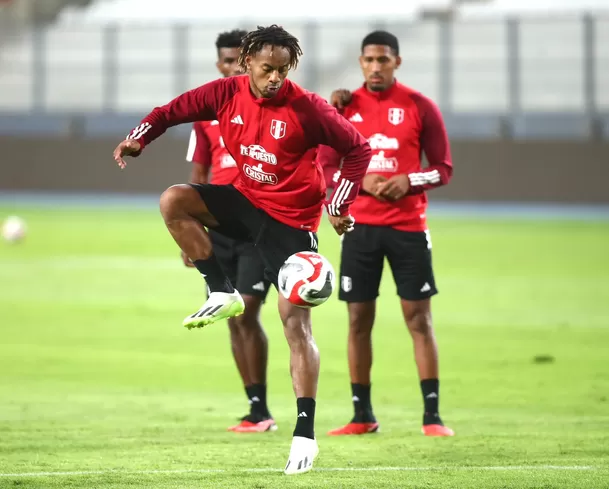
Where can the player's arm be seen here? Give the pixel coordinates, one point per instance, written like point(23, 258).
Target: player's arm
point(200, 104)
point(336, 132)
point(329, 159)
point(199, 154)
point(330, 162)
point(434, 142)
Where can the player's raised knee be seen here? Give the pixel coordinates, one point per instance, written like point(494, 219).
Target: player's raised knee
point(177, 198)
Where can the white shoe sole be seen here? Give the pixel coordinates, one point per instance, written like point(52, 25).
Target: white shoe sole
point(301, 463)
point(214, 312)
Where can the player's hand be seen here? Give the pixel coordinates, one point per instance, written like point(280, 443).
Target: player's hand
point(187, 261)
point(125, 148)
point(372, 184)
point(395, 188)
point(342, 224)
point(340, 98)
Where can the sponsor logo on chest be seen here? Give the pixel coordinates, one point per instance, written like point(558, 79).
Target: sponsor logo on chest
point(258, 153)
point(257, 174)
point(380, 141)
point(380, 163)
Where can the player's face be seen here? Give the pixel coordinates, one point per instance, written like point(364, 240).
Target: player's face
point(227, 62)
point(268, 70)
point(378, 64)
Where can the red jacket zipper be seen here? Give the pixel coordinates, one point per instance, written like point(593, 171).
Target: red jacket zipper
point(258, 136)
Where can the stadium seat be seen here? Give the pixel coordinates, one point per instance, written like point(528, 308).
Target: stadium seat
point(119, 124)
point(473, 125)
point(501, 8)
point(110, 124)
point(34, 124)
point(604, 120)
point(189, 10)
point(551, 125)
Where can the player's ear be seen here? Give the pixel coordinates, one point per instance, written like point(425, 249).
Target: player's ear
point(219, 65)
point(398, 62)
point(361, 61)
point(248, 64)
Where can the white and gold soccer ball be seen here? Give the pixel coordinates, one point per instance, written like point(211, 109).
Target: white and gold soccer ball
point(13, 229)
point(307, 279)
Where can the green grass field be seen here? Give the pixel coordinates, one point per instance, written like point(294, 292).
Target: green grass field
point(101, 387)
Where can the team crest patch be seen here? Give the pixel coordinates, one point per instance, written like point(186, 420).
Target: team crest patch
point(396, 116)
point(278, 129)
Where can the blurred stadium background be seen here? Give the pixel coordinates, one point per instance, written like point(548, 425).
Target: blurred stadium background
point(522, 84)
point(100, 387)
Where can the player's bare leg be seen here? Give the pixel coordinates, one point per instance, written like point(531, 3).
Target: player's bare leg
point(238, 350)
point(254, 339)
point(250, 350)
point(361, 321)
point(419, 321)
point(304, 368)
point(185, 215)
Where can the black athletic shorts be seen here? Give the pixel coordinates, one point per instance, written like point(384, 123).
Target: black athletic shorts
point(362, 258)
point(238, 219)
point(241, 264)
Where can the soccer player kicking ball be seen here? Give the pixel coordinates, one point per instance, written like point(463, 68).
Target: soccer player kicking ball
point(272, 128)
point(238, 259)
point(399, 123)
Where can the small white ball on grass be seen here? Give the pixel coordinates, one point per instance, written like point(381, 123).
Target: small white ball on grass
point(13, 229)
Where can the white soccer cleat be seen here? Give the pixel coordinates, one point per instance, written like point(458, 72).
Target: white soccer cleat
point(302, 454)
point(219, 305)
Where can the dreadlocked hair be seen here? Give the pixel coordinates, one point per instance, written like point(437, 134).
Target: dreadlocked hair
point(273, 35)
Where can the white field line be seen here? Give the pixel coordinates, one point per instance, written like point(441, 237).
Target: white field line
point(321, 469)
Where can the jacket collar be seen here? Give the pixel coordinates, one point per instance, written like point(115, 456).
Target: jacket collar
point(385, 94)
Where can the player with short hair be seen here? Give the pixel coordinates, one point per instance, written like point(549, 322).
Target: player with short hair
point(238, 259)
point(272, 128)
point(399, 123)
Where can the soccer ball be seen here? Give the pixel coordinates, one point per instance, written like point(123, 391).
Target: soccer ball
point(306, 279)
point(13, 229)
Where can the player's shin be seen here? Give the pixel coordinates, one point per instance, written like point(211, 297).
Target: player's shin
point(361, 321)
point(304, 367)
point(239, 351)
point(304, 364)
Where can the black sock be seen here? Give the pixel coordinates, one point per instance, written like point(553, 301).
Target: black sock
point(216, 280)
point(361, 404)
point(256, 393)
point(431, 399)
point(306, 417)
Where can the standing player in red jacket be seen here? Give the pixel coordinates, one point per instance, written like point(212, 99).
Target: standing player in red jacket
point(239, 259)
point(272, 128)
point(399, 124)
